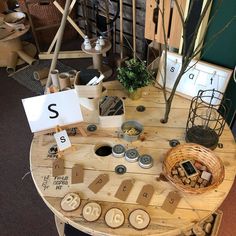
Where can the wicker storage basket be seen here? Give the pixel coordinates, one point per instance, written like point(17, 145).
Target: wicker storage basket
point(191, 151)
point(48, 15)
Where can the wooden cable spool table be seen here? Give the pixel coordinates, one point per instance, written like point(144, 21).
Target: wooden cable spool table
point(191, 209)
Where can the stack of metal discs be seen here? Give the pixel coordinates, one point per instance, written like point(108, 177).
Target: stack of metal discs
point(145, 161)
point(118, 150)
point(131, 155)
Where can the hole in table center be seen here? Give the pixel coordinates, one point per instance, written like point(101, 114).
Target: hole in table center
point(103, 150)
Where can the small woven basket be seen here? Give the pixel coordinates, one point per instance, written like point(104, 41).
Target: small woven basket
point(192, 151)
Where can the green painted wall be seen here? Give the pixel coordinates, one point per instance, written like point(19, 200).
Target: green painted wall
point(223, 50)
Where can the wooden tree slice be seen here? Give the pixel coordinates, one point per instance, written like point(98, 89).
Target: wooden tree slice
point(114, 218)
point(91, 211)
point(139, 219)
point(70, 202)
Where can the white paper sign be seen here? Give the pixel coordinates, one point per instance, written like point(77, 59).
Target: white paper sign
point(62, 139)
point(47, 111)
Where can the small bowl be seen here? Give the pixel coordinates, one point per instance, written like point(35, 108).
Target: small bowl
point(14, 18)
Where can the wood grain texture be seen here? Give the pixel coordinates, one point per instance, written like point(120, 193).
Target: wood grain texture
point(159, 37)
point(190, 210)
point(149, 24)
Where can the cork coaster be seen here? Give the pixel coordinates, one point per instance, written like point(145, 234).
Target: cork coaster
point(70, 202)
point(91, 211)
point(139, 219)
point(114, 218)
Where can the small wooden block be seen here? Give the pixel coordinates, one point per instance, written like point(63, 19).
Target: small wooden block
point(206, 175)
point(139, 219)
point(171, 202)
point(114, 218)
point(77, 175)
point(57, 167)
point(91, 211)
point(124, 189)
point(98, 183)
point(70, 202)
point(145, 195)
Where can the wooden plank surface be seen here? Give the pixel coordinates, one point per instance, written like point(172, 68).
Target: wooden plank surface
point(191, 208)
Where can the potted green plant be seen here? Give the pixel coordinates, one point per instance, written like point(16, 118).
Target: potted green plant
point(133, 76)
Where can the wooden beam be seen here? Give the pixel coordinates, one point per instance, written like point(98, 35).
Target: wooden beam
point(176, 26)
point(159, 37)
point(69, 19)
point(149, 32)
point(64, 55)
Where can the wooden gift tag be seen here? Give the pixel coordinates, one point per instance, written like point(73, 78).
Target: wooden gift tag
point(124, 189)
point(58, 167)
point(77, 175)
point(171, 202)
point(145, 195)
point(98, 183)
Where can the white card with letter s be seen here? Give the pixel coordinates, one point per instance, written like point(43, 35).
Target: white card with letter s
point(47, 111)
point(62, 139)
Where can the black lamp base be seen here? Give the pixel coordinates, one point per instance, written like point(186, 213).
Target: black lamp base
point(203, 136)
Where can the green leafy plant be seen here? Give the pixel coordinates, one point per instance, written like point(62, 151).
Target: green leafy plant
point(134, 75)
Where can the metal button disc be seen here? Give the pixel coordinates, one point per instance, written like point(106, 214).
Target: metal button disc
point(131, 155)
point(145, 161)
point(118, 150)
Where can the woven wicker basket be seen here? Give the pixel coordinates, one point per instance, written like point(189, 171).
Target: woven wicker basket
point(191, 151)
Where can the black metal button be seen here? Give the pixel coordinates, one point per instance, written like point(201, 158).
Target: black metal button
point(174, 142)
point(91, 128)
point(53, 150)
point(140, 108)
point(120, 169)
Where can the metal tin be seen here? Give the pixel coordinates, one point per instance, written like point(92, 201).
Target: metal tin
point(118, 150)
point(145, 161)
point(128, 125)
point(131, 155)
